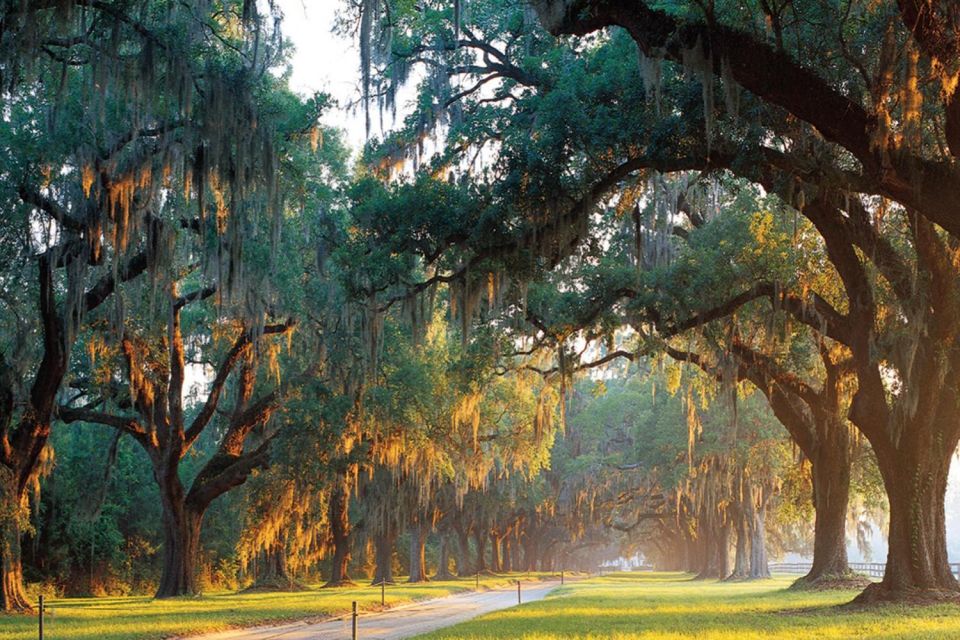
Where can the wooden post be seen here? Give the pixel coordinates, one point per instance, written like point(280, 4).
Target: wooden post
point(518, 592)
point(478, 580)
point(561, 577)
point(354, 631)
point(40, 618)
point(383, 593)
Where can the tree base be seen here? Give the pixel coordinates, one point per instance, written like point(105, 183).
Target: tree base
point(737, 577)
point(377, 583)
point(19, 605)
point(848, 580)
point(878, 593)
point(274, 586)
point(343, 582)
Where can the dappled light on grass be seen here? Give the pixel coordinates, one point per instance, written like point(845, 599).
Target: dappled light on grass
point(668, 606)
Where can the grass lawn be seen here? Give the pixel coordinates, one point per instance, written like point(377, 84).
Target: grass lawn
point(668, 606)
point(142, 618)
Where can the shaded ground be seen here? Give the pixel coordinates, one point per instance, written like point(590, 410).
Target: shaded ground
point(670, 606)
point(395, 624)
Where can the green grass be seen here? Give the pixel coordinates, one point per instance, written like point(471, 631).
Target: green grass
point(669, 606)
point(143, 618)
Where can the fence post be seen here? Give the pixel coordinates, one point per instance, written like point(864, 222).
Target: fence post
point(354, 629)
point(478, 581)
point(561, 577)
point(518, 592)
point(40, 618)
point(383, 592)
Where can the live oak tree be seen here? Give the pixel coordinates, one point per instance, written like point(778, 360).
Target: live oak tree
point(876, 137)
point(91, 133)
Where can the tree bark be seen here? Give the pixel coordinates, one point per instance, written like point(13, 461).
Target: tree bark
point(741, 557)
point(274, 573)
point(917, 565)
point(181, 544)
point(339, 516)
point(830, 471)
point(443, 568)
point(13, 597)
point(418, 555)
point(495, 564)
point(464, 567)
point(530, 552)
point(759, 567)
point(383, 551)
point(481, 541)
point(722, 551)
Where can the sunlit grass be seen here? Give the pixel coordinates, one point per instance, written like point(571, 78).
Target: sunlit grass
point(142, 618)
point(669, 606)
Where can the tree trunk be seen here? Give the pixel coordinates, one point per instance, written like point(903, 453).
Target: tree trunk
point(339, 516)
point(443, 569)
point(722, 551)
point(495, 565)
point(383, 551)
point(759, 567)
point(13, 597)
point(273, 573)
point(507, 555)
point(181, 548)
point(915, 478)
point(464, 568)
point(707, 566)
point(181, 534)
point(830, 471)
point(530, 552)
point(418, 555)
point(481, 541)
point(741, 558)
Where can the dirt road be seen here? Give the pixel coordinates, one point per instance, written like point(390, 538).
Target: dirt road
point(394, 624)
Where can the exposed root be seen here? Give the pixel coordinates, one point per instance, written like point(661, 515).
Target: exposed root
point(849, 580)
point(878, 593)
point(344, 582)
point(274, 586)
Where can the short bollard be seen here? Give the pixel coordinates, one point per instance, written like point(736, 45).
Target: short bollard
point(518, 592)
point(353, 633)
point(40, 618)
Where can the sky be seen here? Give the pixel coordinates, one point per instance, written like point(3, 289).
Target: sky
point(326, 62)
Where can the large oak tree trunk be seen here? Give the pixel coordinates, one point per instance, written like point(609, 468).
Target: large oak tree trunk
point(759, 566)
point(418, 555)
point(530, 543)
point(181, 549)
point(830, 471)
point(917, 566)
point(741, 556)
point(181, 535)
point(13, 597)
point(495, 564)
point(464, 567)
point(339, 516)
point(722, 551)
point(383, 551)
point(481, 541)
point(274, 573)
point(443, 568)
